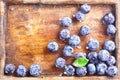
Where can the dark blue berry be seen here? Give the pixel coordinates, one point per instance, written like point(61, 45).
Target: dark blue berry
point(109, 45)
point(35, 70)
point(111, 61)
point(60, 62)
point(85, 8)
point(111, 30)
point(82, 71)
point(69, 70)
point(84, 30)
point(91, 69)
point(74, 40)
point(112, 71)
point(93, 57)
point(79, 16)
point(52, 46)
point(64, 34)
point(93, 44)
point(80, 54)
point(9, 69)
point(66, 21)
point(21, 71)
point(68, 51)
point(108, 18)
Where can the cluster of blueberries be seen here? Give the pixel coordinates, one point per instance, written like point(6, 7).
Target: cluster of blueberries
point(100, 63)
point(22, 71)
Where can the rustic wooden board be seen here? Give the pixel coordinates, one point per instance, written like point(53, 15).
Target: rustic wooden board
point(28, 34)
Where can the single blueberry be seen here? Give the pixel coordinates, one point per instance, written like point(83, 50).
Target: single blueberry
point(80, 54)
point(74, 40)
point(101, 68)
point(35, 70)
point(79, 16)
point(103, 55)
point(21, 71)
point(9, 69)
point(93, 57)
point(52, 46)
point(91, 69)
point(85, 8)
point(82, 71)
point(109, 45)
point(93, 44)
point(66, 21)
point(69, 70)
point(60, 62)
point(84, 30)
point(64, 34)
point(111, 30)
point(112, 71)
point(111, 61)
point(68, 51)
point(108, 18)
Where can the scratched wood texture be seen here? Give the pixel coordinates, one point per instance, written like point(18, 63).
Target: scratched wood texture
point(29, 28)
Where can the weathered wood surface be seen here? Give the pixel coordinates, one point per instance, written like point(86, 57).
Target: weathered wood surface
point(28, 31)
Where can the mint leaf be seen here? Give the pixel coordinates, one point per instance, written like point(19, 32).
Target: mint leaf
point(80, 62)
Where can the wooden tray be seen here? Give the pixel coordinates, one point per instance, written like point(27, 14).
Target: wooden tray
point(26, 27)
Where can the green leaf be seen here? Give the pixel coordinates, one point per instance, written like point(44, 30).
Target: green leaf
point(80, 62)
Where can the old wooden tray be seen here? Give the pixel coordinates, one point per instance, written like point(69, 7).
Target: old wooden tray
point(26, 27)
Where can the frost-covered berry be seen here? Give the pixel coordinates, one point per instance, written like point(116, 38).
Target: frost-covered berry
point(109, 45)
point(74, 40)
point(9, 69)
point(111, 29)
point(112, 71)
point(93, 44)
point(60, 62)
point(68, 51)
point(80, 54)
point(82, 71)
point(64, 34)
point(93, 57)
point(69, 70)
point(91, 69)
point(103, 55)
point(101, 68)
point(66, 21)
point(85, 8)
point(79, 16)
point(84, 30)
point(21, 71)
point(111, 60)
point(35, 70)
point(53, 46)
point(108, 18)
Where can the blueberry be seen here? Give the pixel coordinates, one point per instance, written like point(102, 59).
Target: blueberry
point(79, 16)
point(101, 68)
point(109, 45)
point(111, 30)
point(108, 18)
point(85, 8)
point(9, 69)
point(68, 51)
point(84, 30)
point(103, 55)
point(112, 71)
point(60, 62)
point(82, 71)
point(93, 57)
point(66, 21)
point(21, 71)
point(111, 60)
point(64, 34)
point(91, 69)
point(52, 46)
point(93, 44)
point(80, 54)
point(69, 70)
point(35, 70)
point(74, 40)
